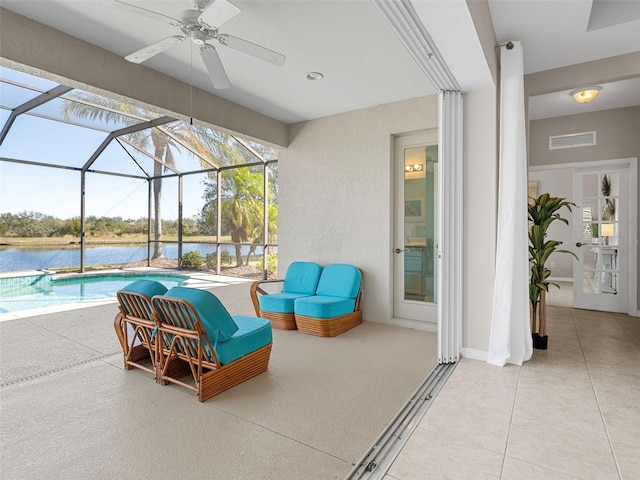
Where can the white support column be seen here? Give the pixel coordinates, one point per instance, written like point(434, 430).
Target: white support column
point(450, 159)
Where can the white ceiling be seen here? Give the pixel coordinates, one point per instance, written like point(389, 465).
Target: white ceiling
point(350, 43)
point(557, 33)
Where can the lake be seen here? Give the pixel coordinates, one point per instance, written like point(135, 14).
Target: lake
point(26, 258)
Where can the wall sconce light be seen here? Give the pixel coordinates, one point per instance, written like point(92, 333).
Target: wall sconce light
point(606, 230)
point(585, 95)
point(417, 167)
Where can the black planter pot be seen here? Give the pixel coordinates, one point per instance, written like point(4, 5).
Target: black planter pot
point(540, 342)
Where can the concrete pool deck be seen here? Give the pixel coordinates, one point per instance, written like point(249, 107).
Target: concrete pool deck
point(70, 410)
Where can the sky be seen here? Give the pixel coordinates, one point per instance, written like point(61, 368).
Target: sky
point(56, 192)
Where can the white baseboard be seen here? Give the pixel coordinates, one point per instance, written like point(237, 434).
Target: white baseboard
point(413, 324)
point(404, 323)
point(561, 279)
point(475, 354)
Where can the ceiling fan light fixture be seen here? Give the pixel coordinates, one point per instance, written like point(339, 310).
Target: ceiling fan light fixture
point(585, 95)
point(314, 76)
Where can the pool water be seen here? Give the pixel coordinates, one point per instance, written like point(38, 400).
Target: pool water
point(44, 291)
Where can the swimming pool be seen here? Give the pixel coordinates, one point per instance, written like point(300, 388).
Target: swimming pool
point(43, 290)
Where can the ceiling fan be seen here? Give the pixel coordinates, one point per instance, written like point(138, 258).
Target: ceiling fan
point(200, 24)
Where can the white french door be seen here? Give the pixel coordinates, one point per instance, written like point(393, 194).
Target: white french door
point(416, 227)
point(602, 226)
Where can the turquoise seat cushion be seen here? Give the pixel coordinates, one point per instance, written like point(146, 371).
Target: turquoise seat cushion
point(215, 318)
point(149, 288)
point(279, 302)
point(302, 277)
point(253, 333)
point(321, 306)
point(339, 280)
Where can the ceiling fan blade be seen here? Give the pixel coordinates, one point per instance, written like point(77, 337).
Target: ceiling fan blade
point(214, 66)
point(146, 13)
point(154, 49)
point(252, 49)
point(219, 12)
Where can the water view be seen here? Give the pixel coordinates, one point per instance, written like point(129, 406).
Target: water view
point(27, 258)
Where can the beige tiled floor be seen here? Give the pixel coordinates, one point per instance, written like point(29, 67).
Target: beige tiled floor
point(571, 412)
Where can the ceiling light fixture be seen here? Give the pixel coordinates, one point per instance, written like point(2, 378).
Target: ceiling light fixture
point(417, 167)
point(585, 95)
point(314, 76)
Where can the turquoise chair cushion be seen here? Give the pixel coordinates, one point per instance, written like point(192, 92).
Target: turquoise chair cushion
point(339, 280)
point(321, 306)
point(253, 333)
point(146, 287)
point(216, 320)
point(302, 277)
point(279, 302)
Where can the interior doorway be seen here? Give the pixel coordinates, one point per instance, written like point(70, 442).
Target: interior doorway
point(603, 226)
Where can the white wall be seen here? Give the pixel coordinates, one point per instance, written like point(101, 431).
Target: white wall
point(336, 193)
point(480, 219)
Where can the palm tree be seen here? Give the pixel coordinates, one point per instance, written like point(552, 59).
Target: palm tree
point(242, 197)
point(163, 140)
point(241, 206)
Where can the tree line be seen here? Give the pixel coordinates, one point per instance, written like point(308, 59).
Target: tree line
point(29, 224)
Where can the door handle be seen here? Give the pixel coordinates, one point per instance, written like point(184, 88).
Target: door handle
point(580, 244)
point(398, 250)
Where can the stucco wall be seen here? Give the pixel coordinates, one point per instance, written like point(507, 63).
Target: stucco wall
point(335, 192)
point(336, 196)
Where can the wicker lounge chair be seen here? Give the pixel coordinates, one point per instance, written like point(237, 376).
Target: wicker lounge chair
point(135, 325)
point(335, 308)
point(300, 280)
point(201, 340)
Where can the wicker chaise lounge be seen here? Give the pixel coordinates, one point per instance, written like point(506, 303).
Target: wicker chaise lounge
point(335, 307)
point(135, 325)
point(201, 339)
point(300, 280)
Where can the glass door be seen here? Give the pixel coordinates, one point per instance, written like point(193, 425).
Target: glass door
point(415, 263)
point(601, 222)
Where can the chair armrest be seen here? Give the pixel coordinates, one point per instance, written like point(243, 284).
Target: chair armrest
point(255, 290)
point(118, 324)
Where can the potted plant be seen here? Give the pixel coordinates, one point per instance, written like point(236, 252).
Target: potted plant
point(543, 211)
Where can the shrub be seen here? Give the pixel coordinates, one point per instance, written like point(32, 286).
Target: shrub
point(226, 258)
point(192, 260)
point(272, 264)
point(210, 260)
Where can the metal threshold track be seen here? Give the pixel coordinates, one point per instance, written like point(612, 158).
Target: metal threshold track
point(377, 461)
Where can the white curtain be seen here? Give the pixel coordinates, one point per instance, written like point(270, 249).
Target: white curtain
point(510, 340)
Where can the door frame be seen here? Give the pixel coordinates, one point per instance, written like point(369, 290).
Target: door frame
point(429, 310)
point(632, 164)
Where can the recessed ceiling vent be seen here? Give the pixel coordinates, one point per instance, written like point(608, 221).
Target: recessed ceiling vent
point(584, 139)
